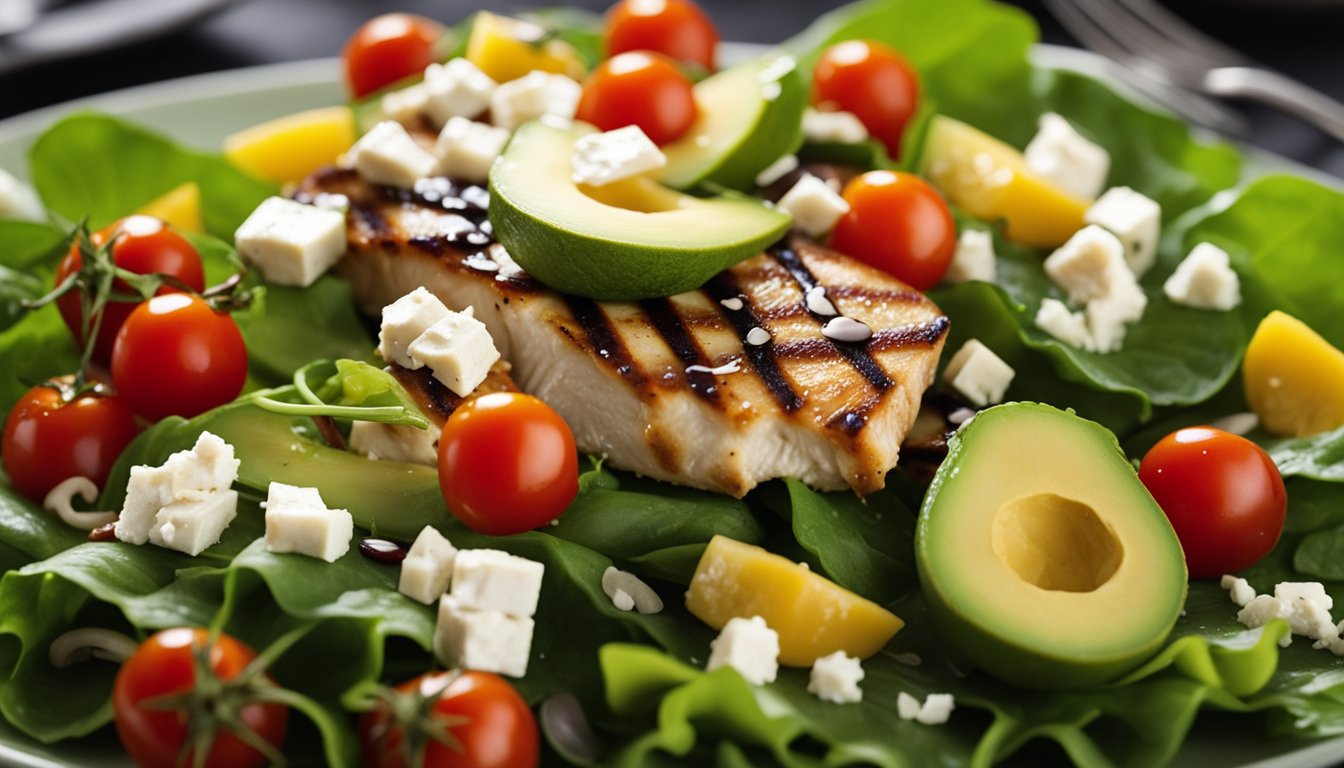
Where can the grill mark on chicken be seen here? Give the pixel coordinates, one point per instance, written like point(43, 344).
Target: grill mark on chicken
point(437, 401)
point(665, 319)
point(602, 339)
point(869, 294)
point(724, 286)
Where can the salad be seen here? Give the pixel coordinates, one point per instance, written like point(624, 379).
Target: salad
point(268, 460)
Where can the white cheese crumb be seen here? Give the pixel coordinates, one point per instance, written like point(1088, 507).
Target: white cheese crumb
point(482, 640)
point(458, 349)
point(388, 155)
point(979, 374)
point(833, 127)
point(532, 96)
point(291, 243)
point(1132, 217)
point(1090, 265)
point(192, 526)
point(185, 504)
point(1063, 156)
point(298, 521)
point(456, 89)
point(467, 150)
point(396, 442)
point(1204, 280)
point(749, 646)
point(974, 258)
point(1304, 605)
point(642, 596)
point(814, 206)
point(604, 158)
point(490, 580)
point(835, 678)
point(1238, 589)
point(404, 320)
point(777, 170)
point(936, 709)
point(427, 571)
point(406, 104)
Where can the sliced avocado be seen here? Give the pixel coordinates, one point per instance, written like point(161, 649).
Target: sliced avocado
point(750, 116)
point(634, 239)
point(1042, 556)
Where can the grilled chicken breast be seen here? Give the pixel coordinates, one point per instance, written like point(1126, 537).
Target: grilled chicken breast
point(719, 388)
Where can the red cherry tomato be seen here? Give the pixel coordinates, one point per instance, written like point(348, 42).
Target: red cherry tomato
point(164, 665)
point(900, 224)
point(676, 28)
point(639, 88)
point(492, 724)
point(48, 441)
point(1222, 494)
point(175, 356)
point(142, 244)
point(389, 48)
point(507, 464)
point(874, 82)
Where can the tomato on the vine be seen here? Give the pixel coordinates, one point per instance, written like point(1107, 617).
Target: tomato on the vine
point(1222, 494)
point(488, 725)
point(48, 440)
point(389, 48)
point(176, 356)
point(639, 88)
point(140, 244)
point(507, 463)
point(872, 81)
point(898, 223)
point(166, 665)
point(676, 28)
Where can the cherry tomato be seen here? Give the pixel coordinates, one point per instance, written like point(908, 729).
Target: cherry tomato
point(898, 223)
point(175, 356)
point(48, 441)
point(874, 82)
point(164, 665)
point(507, 464)
point(389, 48)
point(1222, 494)
point(639, 88)
point(490, 721)
point(142, 244)
point(676, 28)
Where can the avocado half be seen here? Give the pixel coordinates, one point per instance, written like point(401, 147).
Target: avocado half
point(1042, 556)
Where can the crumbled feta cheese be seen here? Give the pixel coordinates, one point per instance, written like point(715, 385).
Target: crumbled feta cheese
point(404, 320)
point(406, 104)
point(456, 89)
point(291, 243)
point(1069, 327)
point(1304, 605)
point(18, 200)
point(193, 526)
point(298, 521)
point(642, 596)
point(936, 709)
point(974, 258)
point(1135, 219)
point(197, 475)
point(1090, 265)
point(209, 466)
point(1238, 589)
point(979, 374)
point(487, 579)
point(532, 96)
point(833, 127)
point(749, 646)
point(1108, 317)
point(1204, 280)
point(603, 158)
point(1061, 155)
point(396, 442)
point(466, 150)
point(388, 155)
point(777, 170)
point(907, 706)
point(146, 493)
point(814, 206)
point(458, 349)
point(427, 571)
point(835, 678)
point(482, 640)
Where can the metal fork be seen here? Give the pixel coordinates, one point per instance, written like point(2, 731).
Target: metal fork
point(1160, 46)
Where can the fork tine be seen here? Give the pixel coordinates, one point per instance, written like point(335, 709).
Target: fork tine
point(1181, 33)
point(1144, 43)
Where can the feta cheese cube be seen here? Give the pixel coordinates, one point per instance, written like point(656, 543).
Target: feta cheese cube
point(835, 678)
point(1090, 265)
point(485, 641)
point(291, 243)
point(1238, 589)
point(209, 466)
point(466, 149)
point(1059, 154)
point(1307, 608)
point(1260, 610)
point(777, 170)
point(749, 646)
point(146, 493)
point(833, 127)
point(641, 595)
point(427, 571)
point(603, 158)
point(1135, 219)
point(456, 89)
point(1108, 317)
point(979, 374)
point(907, 706)
point(404, 320)
point(1056, 319)
point(396, 442)
point(388, 155)
point(814, 206)
point(487, 579)
point(532, 96)
point(935, 710)
point(406, 104)
point(18, 200)
point(1204, 280)
point(458, 349)
point(298, 521)
point(974, 258)
point(193, 526)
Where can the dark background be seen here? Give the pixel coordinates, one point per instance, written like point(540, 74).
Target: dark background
point(1304, 38)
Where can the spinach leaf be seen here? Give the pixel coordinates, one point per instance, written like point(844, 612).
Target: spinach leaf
point(1320, 457)
point(288, 327)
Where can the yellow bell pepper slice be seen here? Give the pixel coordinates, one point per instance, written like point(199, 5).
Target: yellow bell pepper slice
point(1294, 378)
point(290, 148)
point(506, 49)
point(180, 207)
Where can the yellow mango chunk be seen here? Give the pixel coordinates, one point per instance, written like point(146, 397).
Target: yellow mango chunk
point(1294, 379)
point(180, 207)
point(813, 615)
point(989, 180)
point(506, 49)
point(290, 148)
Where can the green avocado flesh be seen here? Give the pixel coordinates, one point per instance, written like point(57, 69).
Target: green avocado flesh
point(750, 116)
point(634, 239)
point(1043, 558)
